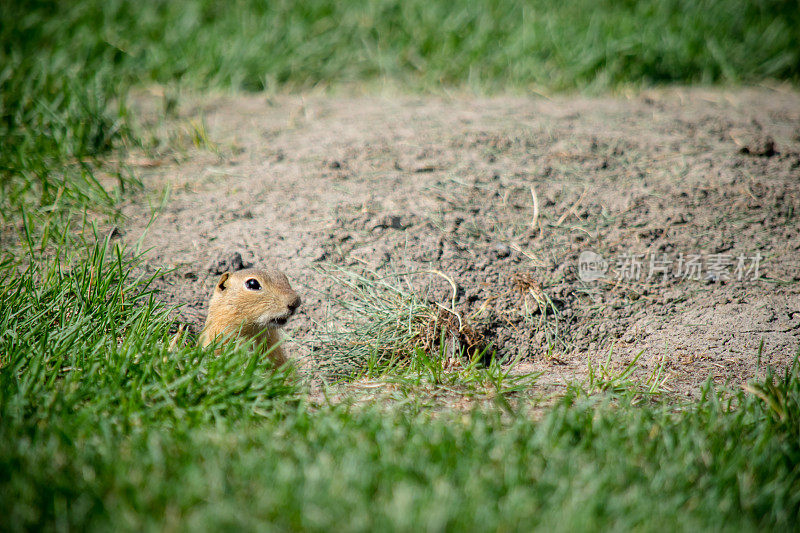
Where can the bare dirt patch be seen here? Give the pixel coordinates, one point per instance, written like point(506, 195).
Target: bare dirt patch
point(410, 184)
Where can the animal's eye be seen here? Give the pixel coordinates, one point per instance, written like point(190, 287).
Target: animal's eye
point(252, 284)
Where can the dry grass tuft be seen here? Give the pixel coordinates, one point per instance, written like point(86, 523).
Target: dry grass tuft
point(381, 320)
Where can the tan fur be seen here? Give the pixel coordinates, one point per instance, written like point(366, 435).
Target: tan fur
point(240, 312)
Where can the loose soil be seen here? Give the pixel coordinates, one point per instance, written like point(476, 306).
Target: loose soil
point(399, 184)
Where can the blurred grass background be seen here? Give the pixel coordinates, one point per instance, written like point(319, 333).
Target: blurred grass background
point(255, 45)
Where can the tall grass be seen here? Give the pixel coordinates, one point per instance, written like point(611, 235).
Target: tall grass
point(81, 336)
point(61, 107)
point(587, 464)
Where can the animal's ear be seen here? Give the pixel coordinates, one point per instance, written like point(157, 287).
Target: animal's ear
point(222, 279)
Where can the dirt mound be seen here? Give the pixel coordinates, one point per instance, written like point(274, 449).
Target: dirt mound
point(665, 222)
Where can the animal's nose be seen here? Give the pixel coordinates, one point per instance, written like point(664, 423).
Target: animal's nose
point(294, 304)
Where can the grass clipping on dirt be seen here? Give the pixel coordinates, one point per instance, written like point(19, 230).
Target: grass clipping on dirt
point(381, 321)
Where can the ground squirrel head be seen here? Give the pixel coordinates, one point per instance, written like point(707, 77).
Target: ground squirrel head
point(252, 300)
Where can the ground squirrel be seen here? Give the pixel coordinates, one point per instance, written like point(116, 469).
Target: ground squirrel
point(251, 304)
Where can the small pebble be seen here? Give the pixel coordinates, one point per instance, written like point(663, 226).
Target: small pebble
point(501, 251)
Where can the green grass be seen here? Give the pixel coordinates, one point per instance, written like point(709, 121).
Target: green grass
point(256, 45)
point(81, 337)
point(585, 464)
point(107, 419)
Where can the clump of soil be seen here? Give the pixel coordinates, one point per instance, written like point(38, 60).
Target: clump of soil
point(760, 145)
point(227, 263)
point(504, 195)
